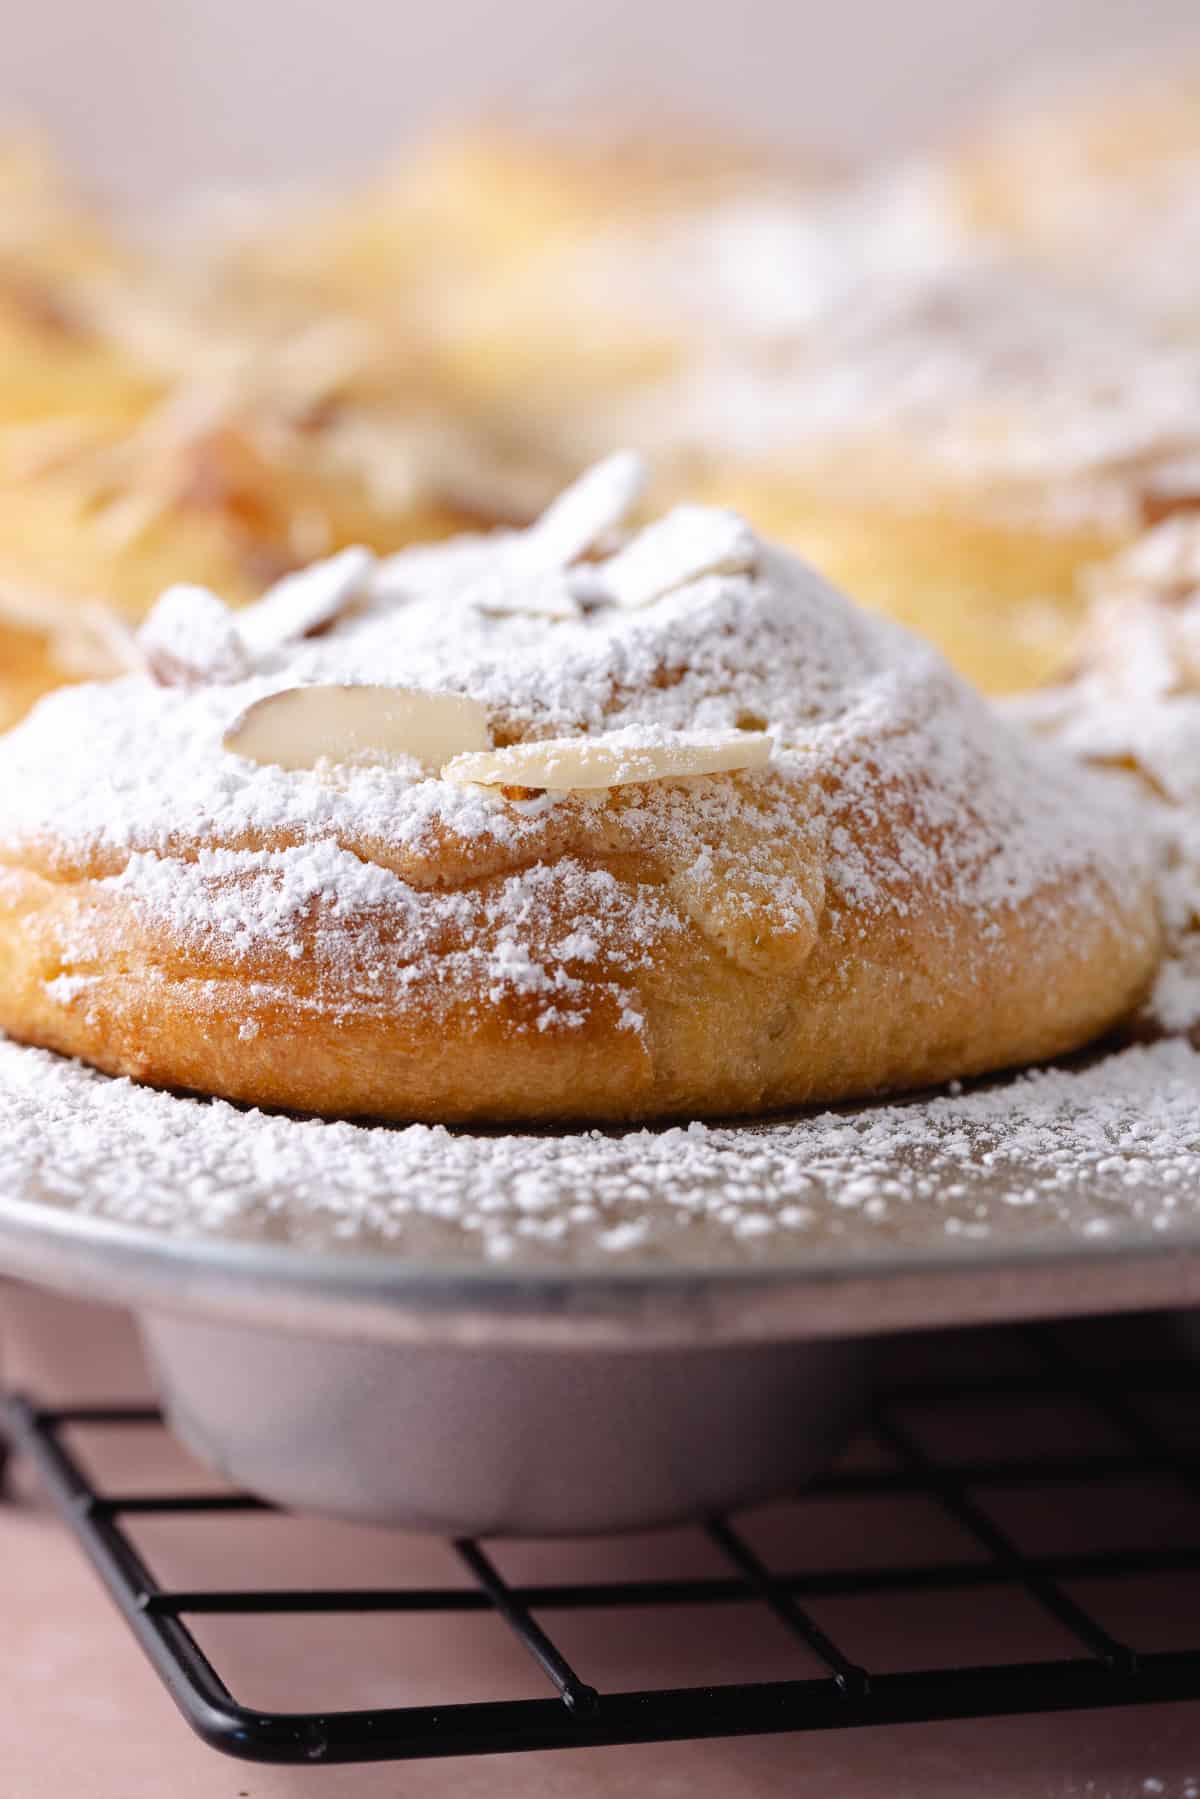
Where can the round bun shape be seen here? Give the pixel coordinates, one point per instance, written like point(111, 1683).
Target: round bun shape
point(901, 890)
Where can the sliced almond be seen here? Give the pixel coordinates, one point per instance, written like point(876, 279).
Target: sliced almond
point(305, 725)
point(191, 638)
point(1165, 558)
point(587, 511)
point(617, 760)
point(542, 593)
point(305, 602)
point(690, 542)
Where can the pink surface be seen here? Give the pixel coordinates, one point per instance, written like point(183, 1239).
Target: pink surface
point(83, 1714)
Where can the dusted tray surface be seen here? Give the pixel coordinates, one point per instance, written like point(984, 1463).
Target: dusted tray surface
point(1073, 1190)
point(1108, 1147)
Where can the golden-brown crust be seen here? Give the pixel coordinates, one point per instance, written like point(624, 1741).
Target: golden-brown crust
point(864, 1001)
point(902, 891)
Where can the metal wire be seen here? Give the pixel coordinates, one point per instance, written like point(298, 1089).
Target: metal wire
point(1108, 1672)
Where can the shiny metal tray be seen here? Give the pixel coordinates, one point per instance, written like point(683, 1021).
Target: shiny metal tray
point(387, 1299)
point(475, 1397)
point(490, 1402)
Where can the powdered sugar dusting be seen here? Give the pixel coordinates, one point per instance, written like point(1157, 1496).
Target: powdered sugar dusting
point(990, 819)
point(975, 373)
point(276, 862)
point(1107, 1151)
point(191, 637)
point(868, 331)
point(1135, 708)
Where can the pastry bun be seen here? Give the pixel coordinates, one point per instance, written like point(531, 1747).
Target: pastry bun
point(554, 824)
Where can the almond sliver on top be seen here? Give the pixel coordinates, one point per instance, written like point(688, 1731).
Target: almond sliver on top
point(302, 726)
point(689, 543)
point(617, 760)
point(586, 512)
point(305, 602)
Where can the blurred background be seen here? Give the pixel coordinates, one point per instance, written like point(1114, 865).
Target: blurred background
point(911, 287)
point(148, 94)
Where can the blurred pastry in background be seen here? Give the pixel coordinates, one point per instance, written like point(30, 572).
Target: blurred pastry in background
point(220, 414)
point(947, 433)
point(1132, 706)
point(1098, 179)
point(62, 381)
point(894, 373)
point(54, 363)
point(231, 497)
point(233, 477)
point(469, 204)
point(29, 667)
point(637, 290)
point(260, 438)
point(956, 450)
point(950, 443)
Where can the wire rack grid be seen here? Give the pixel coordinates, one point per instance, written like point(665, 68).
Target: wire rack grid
point(1101, 1671)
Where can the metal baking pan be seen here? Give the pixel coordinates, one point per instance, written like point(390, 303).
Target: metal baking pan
point(476, 1397)
point(484, 1401)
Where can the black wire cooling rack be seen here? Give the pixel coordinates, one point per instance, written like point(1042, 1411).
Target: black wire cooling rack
point(1102, 1671)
